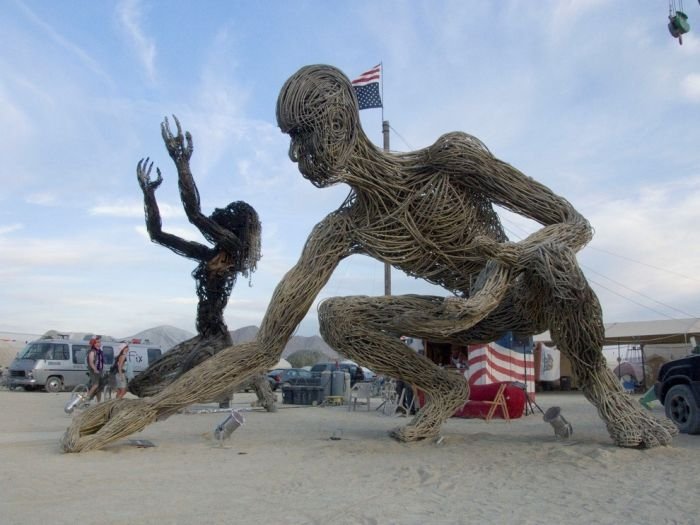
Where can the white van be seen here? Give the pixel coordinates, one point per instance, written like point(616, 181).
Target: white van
point(58, 364)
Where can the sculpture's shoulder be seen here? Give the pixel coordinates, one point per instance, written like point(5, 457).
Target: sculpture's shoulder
point(458, 143)
point(456, 154)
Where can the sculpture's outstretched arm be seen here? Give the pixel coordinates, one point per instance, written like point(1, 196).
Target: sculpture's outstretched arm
point(479, 171)
point(327, 245)
point(180, 149)
point(189, 249)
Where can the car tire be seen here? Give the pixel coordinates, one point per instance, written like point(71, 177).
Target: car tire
point(681, 408)
point(54, 384)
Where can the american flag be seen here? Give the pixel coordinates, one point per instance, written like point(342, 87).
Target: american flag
point(367, 88)
point(508, 359)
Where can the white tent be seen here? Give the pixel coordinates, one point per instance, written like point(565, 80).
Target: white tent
point(283, 363)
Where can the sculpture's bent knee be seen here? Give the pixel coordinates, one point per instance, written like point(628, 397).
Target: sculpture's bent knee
point(333, 316)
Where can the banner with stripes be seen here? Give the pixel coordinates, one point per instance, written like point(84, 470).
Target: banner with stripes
point(509, 359)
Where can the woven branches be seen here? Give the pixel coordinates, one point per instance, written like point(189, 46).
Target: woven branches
point(429, 213)
point(234, 232)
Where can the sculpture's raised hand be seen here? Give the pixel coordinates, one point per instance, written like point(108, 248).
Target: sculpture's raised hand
point(143, 173)
point(179, 146)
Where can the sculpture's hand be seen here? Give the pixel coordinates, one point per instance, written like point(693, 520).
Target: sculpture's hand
point(179, 146)
point(457, 314)
point(143, 173)
point(509, 254)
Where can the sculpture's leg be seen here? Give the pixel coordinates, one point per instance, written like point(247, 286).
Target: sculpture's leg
point(202, 352)
point(367, 329)
point(106, 422)
point(266, 397)
point(164, 371)
point(185, 356)
point(576, 327)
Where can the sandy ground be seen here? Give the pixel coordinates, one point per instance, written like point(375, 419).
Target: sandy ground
point(283, 468)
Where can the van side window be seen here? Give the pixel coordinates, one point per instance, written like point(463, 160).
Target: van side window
point(108, 352)
point(79, 354)
point(153, 355)
point(57, 351)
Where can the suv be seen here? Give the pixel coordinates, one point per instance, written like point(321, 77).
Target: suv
point(350, 368)
point(280, 376)
point(678, 389)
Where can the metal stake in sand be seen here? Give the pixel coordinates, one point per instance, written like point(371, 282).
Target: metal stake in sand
point(224, 429)
point(562, 428)
point(72, 403)
point(78, 396)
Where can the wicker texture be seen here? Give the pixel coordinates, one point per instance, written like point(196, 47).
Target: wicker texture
point(429, 213)
point(235, 233)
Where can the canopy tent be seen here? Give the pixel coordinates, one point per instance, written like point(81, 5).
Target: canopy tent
point(633, 370)
point(668, 331)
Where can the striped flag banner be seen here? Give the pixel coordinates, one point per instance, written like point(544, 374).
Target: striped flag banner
point(367, 88)
point(504, 360)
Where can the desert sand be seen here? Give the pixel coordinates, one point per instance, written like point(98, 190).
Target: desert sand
point(284, 468)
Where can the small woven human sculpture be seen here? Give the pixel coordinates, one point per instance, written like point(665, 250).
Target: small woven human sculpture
point(235, 233)
point(429, 213)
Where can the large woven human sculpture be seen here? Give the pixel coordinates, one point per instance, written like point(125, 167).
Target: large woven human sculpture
point(235, 233)
point(429, 213)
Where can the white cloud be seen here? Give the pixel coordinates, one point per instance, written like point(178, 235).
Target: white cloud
point(41, 198)
point(133, 210)
point(130, 16)
point(9, 228)
point(13, 117)
point(183, 300)
point(690, 87)
point(75, 50)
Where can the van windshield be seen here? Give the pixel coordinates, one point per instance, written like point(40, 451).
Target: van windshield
point(45, 351)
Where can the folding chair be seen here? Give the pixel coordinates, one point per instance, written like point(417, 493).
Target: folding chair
point(403, 409)
point(360, 391)
point(498, 401)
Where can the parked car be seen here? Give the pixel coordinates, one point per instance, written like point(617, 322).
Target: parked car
point(369, 374)
point(678, 389)
point(249, 384)
point(350, 368)
point(280, 376)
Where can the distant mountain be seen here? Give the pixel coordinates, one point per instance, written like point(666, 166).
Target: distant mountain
point(314, 342)
point(164, 336)
point(244, 334)
point(295, 344)
point(168, 336)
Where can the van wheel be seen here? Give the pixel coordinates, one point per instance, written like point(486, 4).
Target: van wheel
point(54, 384)
point(681, 408)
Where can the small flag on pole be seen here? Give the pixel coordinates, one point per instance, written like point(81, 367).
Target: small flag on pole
point(367, 88)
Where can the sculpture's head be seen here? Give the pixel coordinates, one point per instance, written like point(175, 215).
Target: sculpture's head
point(242, 220)
point(318, 109)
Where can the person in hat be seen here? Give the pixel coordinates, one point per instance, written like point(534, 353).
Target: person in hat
point(95, 361)
point(121, 366)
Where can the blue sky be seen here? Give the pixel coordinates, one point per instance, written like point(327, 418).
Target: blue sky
point(591, 97)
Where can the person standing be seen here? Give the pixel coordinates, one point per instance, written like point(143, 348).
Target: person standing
point(121, 363)
point(95, 361)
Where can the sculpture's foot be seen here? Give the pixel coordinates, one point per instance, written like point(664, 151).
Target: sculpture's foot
point(438, 409)
point(107, 422)
point(266, 397)
point(630, 425)
point(416, 431)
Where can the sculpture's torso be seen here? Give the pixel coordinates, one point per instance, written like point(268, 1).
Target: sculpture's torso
point(429, 229)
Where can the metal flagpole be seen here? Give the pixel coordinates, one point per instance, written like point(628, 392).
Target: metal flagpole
point(385, 134)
